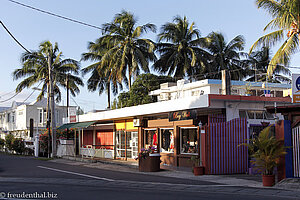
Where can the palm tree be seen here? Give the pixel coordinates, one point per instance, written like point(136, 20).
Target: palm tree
point(286, 20)
point(127, 53)
point(100, 79)
point(35, 70)
point(259, 61)
point(179, 49)
point(226, 56)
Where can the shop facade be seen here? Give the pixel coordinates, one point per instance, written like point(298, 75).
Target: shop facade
point(211, 127)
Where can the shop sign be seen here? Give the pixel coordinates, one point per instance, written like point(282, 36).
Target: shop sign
point(296, 88)
point(72, 114)
point(182, 115)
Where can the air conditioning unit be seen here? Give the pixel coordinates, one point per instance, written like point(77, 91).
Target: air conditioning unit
point(136, 122)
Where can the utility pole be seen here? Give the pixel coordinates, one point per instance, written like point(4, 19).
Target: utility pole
point(48, 117)
point(67, 84)
point(52, 106)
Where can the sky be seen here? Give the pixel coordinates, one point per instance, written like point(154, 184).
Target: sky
point(231, 17)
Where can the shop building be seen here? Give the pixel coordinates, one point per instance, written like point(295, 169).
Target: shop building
point(210, 125)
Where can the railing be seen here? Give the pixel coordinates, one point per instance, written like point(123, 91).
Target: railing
point(98, 151)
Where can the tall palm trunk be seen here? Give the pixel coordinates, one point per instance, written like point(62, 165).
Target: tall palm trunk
point(129, 77)
point(108, 94)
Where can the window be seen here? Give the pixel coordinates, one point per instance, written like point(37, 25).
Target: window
point(8, 117)
point(13, 117)
point(150, 138)
point(255, 114)
point(188, 140)
point(234, 91)
point(40, 116)
point(279, 93)
point(45, 115)
point(167, 140)
point(251, 114)
point(259, 115)
point(243, 114)
point(269, 115)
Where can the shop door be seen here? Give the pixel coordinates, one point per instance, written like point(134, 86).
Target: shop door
point(131, 144)
point(120, 144)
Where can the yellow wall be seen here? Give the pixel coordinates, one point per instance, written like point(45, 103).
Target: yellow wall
point(125, 125)
point(287, 92)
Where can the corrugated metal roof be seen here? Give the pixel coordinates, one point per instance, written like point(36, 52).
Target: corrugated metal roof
point(76, 125)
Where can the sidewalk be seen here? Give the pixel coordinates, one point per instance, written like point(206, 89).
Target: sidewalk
point(241, 180)
point(175, 172)
point(226, 184)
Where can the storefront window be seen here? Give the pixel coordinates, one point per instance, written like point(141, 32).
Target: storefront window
point(150, 138)
point(167, 140)
point(188, 140)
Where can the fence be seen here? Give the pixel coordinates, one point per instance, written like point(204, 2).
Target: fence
point(224, 155)
point(296, 150)
point(98, 151)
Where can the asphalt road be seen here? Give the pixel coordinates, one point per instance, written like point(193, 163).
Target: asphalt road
point(28, 176)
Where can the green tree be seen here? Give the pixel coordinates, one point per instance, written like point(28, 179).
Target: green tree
point(35, 70)
point(127, 52)
point(286, 21)
point(258, 63)
point(179, 49)
point(226, 56)
point(139, 93)
point(101, 77)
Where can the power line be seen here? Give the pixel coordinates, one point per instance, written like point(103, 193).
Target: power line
point(31, 93)
point(11, 35)
point(9, 98)
point(55, 15)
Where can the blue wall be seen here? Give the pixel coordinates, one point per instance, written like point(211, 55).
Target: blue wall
point(288, 143)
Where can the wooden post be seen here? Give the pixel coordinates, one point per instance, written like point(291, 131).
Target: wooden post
point(176, 145)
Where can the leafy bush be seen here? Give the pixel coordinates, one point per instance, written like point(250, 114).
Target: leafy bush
point(28, 151)
point(9, 141)
point(18, 145)
point(2, 143)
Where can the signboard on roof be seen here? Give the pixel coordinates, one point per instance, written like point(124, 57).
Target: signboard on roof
point(296, 88)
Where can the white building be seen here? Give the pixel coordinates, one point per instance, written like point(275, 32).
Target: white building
point(182, 89)
point(16, 119)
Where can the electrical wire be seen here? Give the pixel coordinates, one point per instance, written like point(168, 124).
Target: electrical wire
point(10, 98)
point(55, 15)
point(11, 35)
point(31, 93)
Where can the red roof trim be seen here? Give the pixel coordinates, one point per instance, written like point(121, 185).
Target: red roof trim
point(247, 98)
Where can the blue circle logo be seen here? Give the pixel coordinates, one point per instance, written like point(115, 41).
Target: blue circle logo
point(298, 83)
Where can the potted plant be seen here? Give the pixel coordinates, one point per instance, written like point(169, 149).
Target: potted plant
point(198, 169)
point(149, 160)
point(266, 151)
